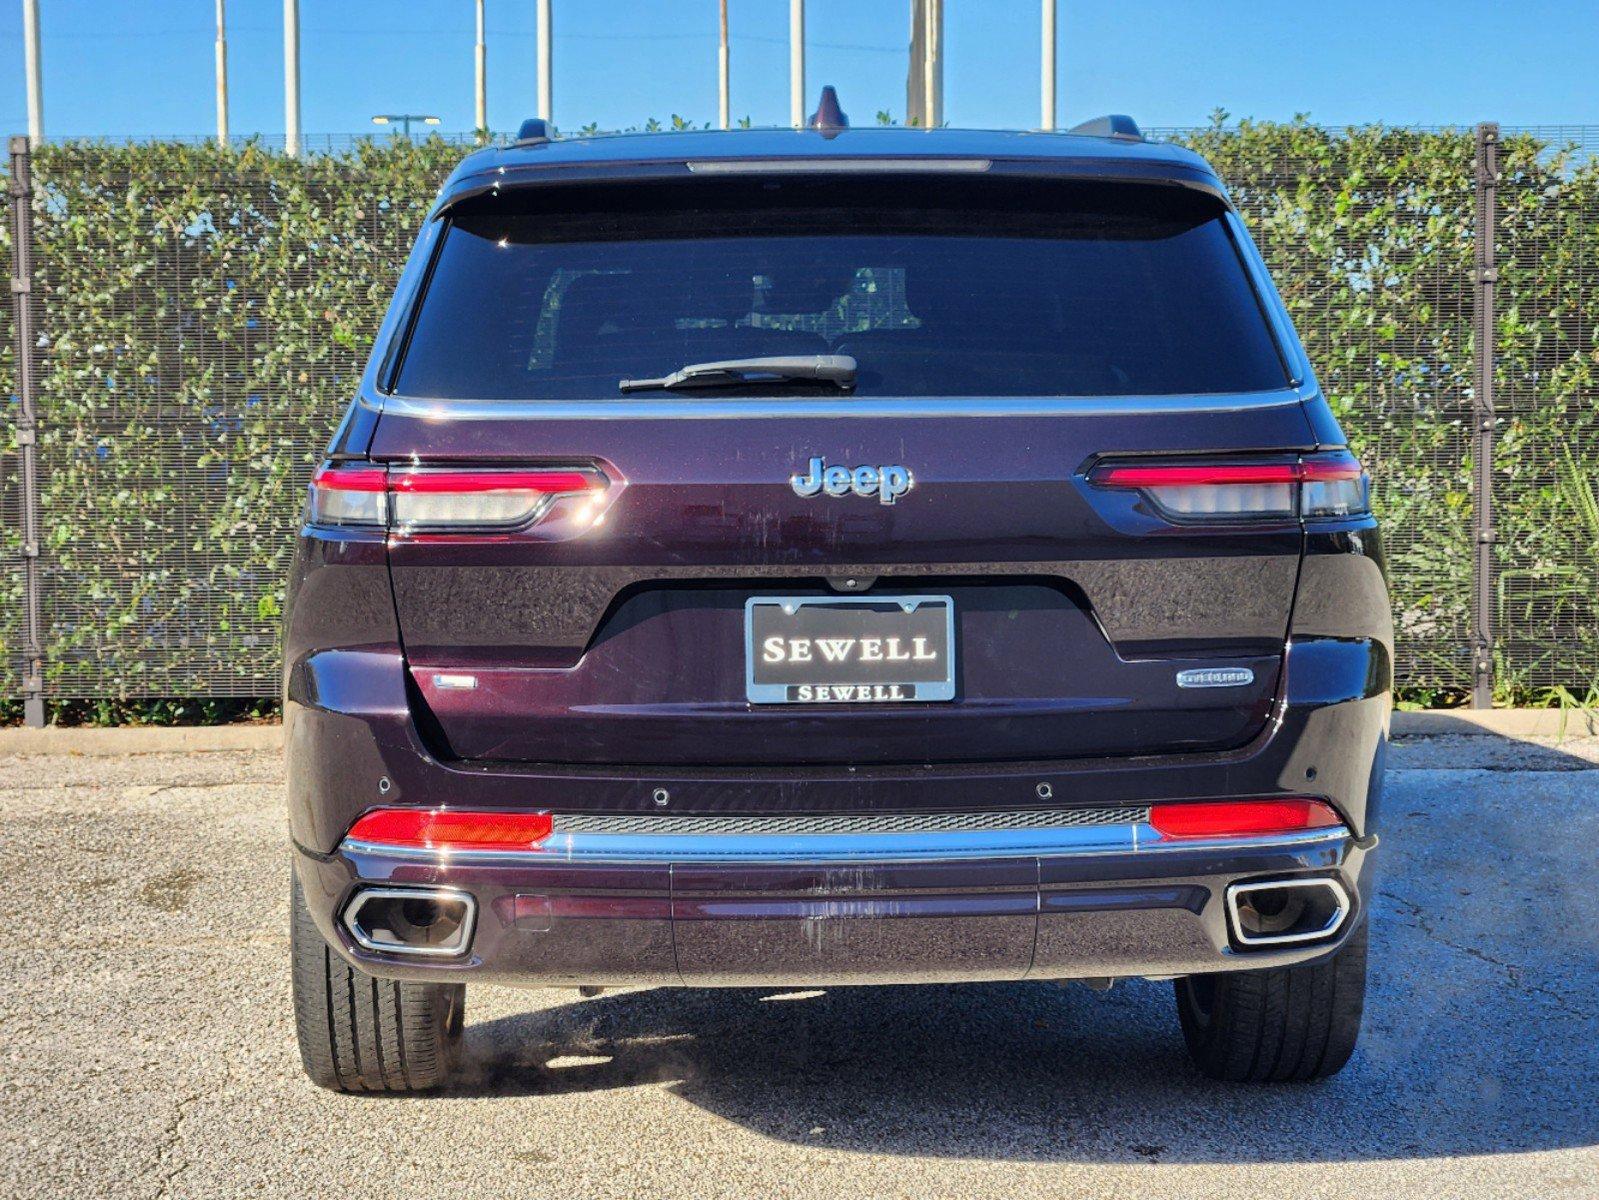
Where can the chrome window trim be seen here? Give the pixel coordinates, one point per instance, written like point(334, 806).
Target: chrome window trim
point(827, 407)
point(1071, 841)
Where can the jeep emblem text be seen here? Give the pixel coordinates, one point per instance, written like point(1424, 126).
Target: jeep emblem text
point(887, 483)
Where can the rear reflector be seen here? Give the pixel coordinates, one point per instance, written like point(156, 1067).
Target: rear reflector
point(424, 500)
point(451, 829)
point(1241, 818)
point(1313, 486)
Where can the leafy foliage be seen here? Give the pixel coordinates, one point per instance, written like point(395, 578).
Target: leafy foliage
point(206, 313)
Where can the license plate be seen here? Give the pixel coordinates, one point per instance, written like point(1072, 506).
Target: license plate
point(849, 650)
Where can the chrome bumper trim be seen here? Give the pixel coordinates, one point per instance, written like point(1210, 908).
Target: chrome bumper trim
point(1072, 841)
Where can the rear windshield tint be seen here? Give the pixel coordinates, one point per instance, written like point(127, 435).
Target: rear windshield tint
point(1108, 291)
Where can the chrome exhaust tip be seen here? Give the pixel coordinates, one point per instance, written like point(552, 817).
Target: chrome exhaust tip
point(1280, 912)
point(435, 922)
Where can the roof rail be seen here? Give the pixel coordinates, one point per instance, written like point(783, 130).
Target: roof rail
point(533, 131)
point(1112, 125)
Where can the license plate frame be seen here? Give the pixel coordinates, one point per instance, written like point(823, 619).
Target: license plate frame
point(918, 681)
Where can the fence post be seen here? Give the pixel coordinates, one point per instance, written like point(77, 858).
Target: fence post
point(1484, 275)
point(20, 196)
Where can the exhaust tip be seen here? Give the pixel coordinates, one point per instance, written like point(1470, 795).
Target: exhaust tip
point(436, 922)
point(1284, 911)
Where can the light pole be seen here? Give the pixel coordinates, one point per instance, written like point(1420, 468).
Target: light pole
point(30, 52)
point(405, 120)
point(1047, 67)
point(481, 57)
point(546, 63)
point(796, 63)
point(722, 88)
point(291, 78)
point(924, 83)
point(222, 74)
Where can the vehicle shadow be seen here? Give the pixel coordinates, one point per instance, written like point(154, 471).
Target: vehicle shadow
point(1481, 1032)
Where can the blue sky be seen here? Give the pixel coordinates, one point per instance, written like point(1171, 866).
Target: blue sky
point(144, 66)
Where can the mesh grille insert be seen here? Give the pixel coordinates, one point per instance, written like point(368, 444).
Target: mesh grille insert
point(701, 826)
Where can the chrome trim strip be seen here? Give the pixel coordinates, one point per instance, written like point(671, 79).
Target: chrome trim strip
point(461, 944)
point(1234, 890)
point(1070, 841)
point(827, 407)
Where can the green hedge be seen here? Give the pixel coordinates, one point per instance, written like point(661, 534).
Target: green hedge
point(206, 313)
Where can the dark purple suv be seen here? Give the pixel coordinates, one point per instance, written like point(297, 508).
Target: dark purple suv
point(835, 557)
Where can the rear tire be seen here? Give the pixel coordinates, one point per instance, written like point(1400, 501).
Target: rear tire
point(359, 1033)
point(1276, 1025)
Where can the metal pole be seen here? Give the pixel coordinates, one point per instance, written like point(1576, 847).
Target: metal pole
point(796, 63)
point(481, 60)
point(546, 64)
point(914, 73)
point(933, 64)
point(30, 53)
point(291, 78)
point(723, 90)
point(924, 81)
point(1485, 274)
point(20, 195)
point(222, 73)
point(1047, 67)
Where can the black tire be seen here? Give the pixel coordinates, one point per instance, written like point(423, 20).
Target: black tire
point(359, 1033)
point(1276, 1025)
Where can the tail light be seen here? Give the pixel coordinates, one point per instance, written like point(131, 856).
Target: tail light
point(442, 500)
point(1241, 818)
point(451, 829)
point(1321, 485)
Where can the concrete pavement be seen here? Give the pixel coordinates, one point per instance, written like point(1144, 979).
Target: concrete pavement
point(149, 1048)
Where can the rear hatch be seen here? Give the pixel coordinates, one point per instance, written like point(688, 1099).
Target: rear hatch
point(937, 564)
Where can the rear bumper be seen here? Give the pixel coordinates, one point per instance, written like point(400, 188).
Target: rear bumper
point(1110, 900)
point(1044, 904)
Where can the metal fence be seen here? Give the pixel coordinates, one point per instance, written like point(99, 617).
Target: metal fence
point(202, 316)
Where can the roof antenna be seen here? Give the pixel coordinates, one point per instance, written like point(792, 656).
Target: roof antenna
point(829, 118)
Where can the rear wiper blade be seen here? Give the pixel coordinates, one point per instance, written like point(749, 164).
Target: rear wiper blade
point(836, 369)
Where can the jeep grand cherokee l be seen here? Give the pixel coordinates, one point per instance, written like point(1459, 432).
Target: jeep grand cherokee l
point(835, 557)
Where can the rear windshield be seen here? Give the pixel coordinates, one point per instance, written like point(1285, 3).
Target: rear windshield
point(1102, 291)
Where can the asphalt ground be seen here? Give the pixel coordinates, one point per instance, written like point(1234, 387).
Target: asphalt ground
point(149, 1050)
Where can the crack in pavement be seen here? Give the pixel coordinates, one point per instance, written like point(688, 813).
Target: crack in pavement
point(1514, 973)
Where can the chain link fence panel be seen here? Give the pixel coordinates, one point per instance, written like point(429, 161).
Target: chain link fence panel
point(206, 314)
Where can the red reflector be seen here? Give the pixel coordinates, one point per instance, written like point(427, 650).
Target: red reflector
point(1241, 818)
point(350, 479)
point(546, 482)
point(451, 829)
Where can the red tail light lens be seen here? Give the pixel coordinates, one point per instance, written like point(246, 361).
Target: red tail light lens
point(424, 500)
point(1241, 818)
point(1314, 486)
point(451, 829)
